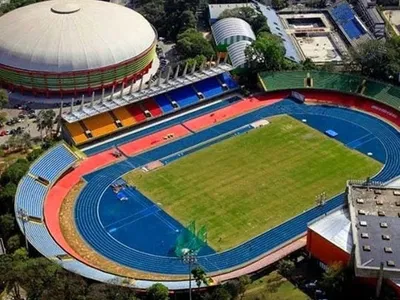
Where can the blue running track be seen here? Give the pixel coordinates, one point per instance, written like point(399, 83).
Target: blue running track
point(136, 248)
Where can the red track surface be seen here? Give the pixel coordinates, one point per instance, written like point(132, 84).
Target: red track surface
point(60, 190)
point(228, 112)
point(153, 140)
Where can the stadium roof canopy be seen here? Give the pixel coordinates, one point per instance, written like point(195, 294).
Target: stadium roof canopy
point(230, 30)
point(68, 36)
point(237, 55)
point(276, 27)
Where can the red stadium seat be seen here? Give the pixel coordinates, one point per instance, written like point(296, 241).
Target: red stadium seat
point(153, 107)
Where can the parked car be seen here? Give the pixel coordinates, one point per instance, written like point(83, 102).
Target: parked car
point(32, 115)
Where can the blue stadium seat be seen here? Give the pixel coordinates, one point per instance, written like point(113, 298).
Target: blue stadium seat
point(228, 80)
point(164, 103)
point(30, 196)
point(209, 87)
point(184, 96)
point(53, 163)
point(344, 15)
point(40, 238)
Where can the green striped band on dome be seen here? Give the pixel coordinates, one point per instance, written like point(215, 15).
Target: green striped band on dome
point(92, 79)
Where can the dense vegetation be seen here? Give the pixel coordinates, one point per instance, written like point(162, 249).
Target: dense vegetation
point(16, 4)
point(170, 17)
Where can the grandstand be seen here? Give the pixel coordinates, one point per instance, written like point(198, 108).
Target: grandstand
point(382, 92)
point(123, 117)
point(350, 25)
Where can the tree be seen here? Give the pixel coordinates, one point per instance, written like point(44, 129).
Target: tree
point(333, 280)
point(266, 53)
point(3, 98)
point(200, 276)
point(308, 64)
point(157, 291)
point(32, 156)
point(7, 195)
point(7, 226)
point(45, 121)
point(14, 172)
point(257, 21)
point(286, 267)
point(191, 43)
point(188, 20)
point(244, 282)
point(3, 117)
point(220, 293)
point(13, 243)
point(278, 4)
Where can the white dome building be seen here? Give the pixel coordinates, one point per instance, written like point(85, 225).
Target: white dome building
point(64, 47)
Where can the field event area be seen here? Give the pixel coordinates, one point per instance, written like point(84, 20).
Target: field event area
point(234, 186)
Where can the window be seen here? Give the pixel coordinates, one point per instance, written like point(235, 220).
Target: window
point(364, 235)
point(385, 237)
point(367, 248)
point(360, 201)
point(381, 213)
point(361, 212)
point(388, 250)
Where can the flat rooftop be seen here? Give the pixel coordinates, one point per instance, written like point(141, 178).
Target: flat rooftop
point(393, 17)
point(320, 49)
point(314, 36)
point(375, 217)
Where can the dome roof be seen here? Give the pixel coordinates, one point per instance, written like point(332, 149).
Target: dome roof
point(65, 36)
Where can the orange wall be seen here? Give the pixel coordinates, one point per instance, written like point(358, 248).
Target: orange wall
point(324, 250)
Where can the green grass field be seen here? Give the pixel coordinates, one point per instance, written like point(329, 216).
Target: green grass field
point(273, 286)
point(247, 184)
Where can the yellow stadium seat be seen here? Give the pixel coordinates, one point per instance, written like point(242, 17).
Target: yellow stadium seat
point(124, 116)
point(100, 125)
point(77, 132)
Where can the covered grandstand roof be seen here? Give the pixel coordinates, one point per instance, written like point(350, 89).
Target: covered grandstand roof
point(237, 55)
point(336, 229)
point(231, 30)
point(59, 36)
point(277, 29)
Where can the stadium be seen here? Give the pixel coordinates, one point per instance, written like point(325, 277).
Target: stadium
point(237, 179)
point(103, 45)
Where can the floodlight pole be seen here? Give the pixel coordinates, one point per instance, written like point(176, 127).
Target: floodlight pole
point(190, 259)
point(23, 215)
